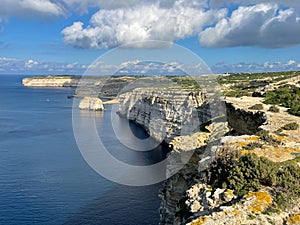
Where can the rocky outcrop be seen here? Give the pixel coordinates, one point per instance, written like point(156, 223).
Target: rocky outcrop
point(244, 122)
point(220, 207)
point(199, 203)
point(89, 103)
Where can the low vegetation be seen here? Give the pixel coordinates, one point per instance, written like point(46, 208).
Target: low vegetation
point(264, 135)
point(186, 82)
point(252, 146)
point(247, 77)
point(237, 93)
point(257, 107)
point(245, 173)
point(291, 126)
point(273, 109)
point(287, 96)
point(244, 84)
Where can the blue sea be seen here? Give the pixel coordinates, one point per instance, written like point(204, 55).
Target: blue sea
point(43, 177)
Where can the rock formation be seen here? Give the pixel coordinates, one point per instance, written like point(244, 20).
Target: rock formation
point(191, 123)
point(244, 122)
point(89, 103)
point(165, 114)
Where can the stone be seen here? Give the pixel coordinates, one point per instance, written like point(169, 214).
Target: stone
point(90, 103)
point(244, 122)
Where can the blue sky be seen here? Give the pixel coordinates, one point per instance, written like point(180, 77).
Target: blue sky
point(66, 36)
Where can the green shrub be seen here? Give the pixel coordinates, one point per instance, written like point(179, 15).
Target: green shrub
point(253, 145)
point(244, 173)
point(266, 137)
point(295, 109)
point(287, 96)
point(237, 93)
point(257, 107)
point(291, 126)
point(274, 109)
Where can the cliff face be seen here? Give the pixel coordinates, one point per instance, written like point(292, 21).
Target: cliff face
point(163, 113)
point(167, 114)
point(187, 122)
point(51, 81)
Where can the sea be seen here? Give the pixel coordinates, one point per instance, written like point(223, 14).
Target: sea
point(44, 179)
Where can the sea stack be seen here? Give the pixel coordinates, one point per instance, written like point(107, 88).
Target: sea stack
point(90, 103)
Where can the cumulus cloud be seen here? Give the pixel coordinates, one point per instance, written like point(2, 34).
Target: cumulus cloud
point(227, 3)
point(83, 6)
point(110, 28)
point(30, 8)
point(263, 25)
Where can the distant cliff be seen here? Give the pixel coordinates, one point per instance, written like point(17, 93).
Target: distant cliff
point(101, 86)
point(51, 81)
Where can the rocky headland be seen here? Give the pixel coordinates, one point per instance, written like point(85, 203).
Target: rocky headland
point(51, 81)
point(244, 167)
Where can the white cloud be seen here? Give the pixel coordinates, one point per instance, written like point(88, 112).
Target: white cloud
point(226, 3)
point(83, 6)
point(30, 8)
point(16, 66)
point(263, 25)
point(71, 65)
point(110, 28)
point(291, 62)
point(31, 63)
point(291, 65)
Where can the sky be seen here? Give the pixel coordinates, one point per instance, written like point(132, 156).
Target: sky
point(41, 37)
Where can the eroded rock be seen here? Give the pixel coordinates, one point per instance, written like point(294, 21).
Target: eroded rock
point(244, 122)
point(90, 103)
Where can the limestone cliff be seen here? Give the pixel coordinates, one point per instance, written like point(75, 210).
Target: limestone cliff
point(51, 81)
point(187, 121)
point(164, 113)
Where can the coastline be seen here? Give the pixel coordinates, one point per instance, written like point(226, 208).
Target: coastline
point(240, 132)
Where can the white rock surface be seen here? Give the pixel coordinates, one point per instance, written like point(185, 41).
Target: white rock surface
point(89, 103)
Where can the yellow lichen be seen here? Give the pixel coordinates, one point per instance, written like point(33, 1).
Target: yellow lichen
point(277, 154)
point(199, 221)
point(281, 138)
point(252, 138)
point(293, 219)
point(240, 143)
point(259, 201)
point(246, 152)
point(229, 193)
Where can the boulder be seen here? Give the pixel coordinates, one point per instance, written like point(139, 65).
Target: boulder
point(89, 103)
point(244, 122)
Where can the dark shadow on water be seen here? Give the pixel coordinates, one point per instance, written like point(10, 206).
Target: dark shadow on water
point(122, 205)
point(138, 130)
